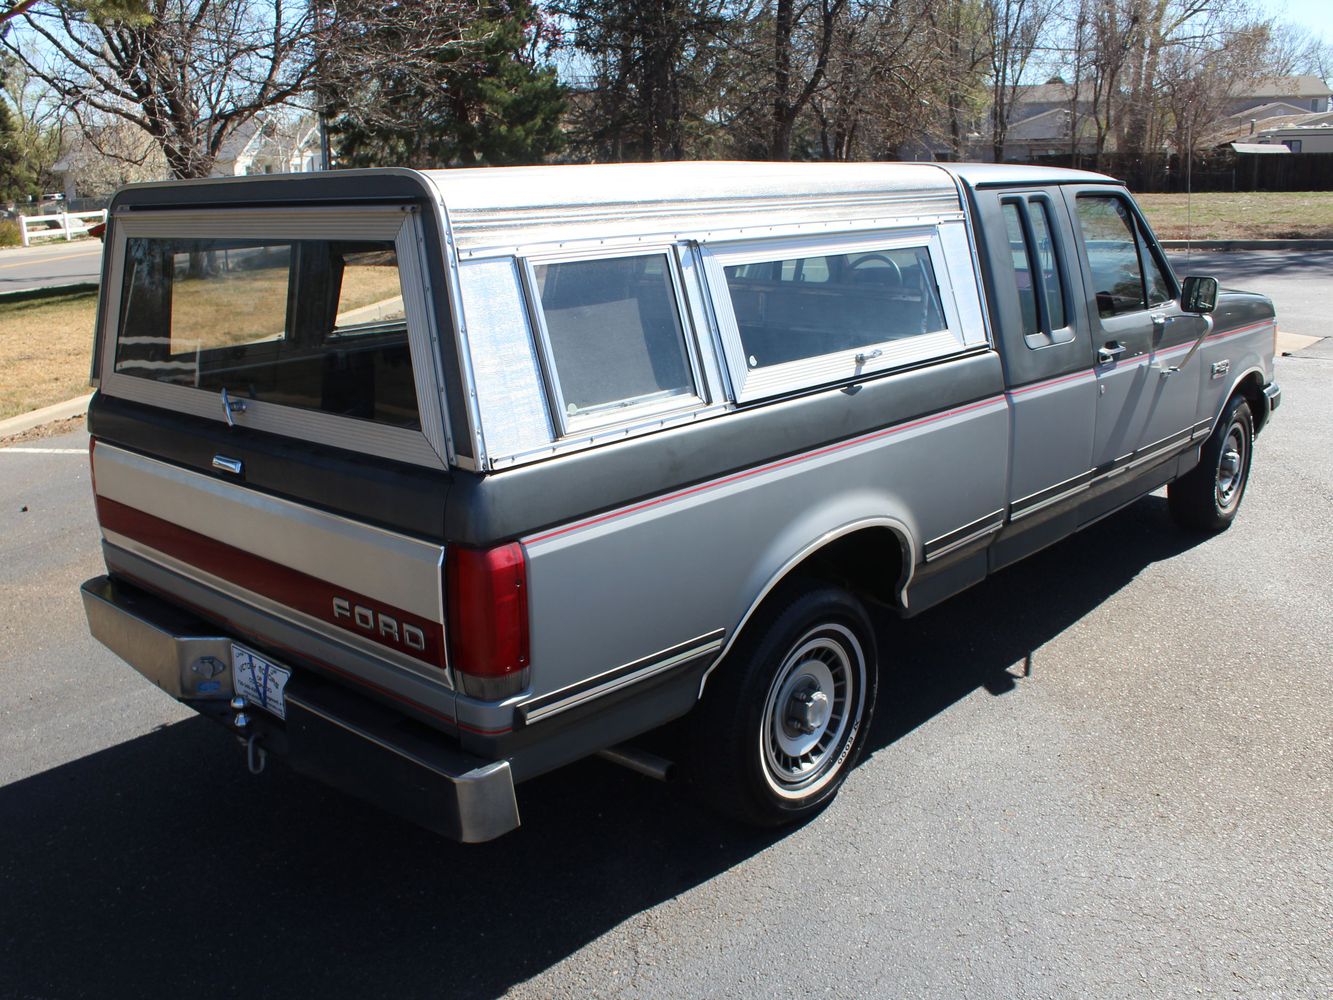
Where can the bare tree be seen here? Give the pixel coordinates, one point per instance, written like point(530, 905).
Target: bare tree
point(803, 37)
point(189, 77)
point(1013, 28)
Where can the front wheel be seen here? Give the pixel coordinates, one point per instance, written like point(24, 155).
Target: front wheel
point(1209, 495)
point(785, 717)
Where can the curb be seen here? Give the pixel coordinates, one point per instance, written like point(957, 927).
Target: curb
point(47, 291)
point(1247, 244)
point(46, 415)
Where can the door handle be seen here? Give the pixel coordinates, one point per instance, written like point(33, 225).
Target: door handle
point(1109, 351)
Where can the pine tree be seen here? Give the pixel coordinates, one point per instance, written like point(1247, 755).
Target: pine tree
point(16, 179)
point(480, 98)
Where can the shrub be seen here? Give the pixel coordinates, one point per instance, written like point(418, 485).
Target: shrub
point(9, 233)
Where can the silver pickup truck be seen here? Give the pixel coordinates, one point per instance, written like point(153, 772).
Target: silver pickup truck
point(431, 482)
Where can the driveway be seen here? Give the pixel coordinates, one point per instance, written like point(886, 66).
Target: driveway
point(1107, 771)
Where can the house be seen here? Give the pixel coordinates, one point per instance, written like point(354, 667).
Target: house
point(270, 145)
point(1308, 93)
point(1036, 99)
point(1051, 133)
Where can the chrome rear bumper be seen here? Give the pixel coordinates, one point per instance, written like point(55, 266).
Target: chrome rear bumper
point(330, 733)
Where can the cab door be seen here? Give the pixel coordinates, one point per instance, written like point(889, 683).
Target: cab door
point(1036, 303)
point(1146, 404)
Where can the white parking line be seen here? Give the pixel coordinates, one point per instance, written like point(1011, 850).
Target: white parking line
point(43, 451)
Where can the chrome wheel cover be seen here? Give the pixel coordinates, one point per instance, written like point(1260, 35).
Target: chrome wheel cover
point(812, 711)
point(1231, 467)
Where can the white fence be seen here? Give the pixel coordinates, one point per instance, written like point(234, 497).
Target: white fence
point(65, 226)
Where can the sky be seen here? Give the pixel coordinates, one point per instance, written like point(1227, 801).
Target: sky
point(1316, 15)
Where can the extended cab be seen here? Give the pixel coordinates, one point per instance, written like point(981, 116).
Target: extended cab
point(432, 482)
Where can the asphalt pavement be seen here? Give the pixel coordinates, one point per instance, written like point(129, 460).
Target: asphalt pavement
point(1107, 771)
point(47, 264)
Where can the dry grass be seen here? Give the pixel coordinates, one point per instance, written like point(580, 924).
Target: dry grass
point(1241, 216)
point(45, 349)
point(246, 306)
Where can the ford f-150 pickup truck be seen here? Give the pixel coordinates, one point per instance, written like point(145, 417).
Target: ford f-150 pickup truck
point(431, 482)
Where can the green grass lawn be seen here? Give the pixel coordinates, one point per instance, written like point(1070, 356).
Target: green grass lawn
point(1241, 216)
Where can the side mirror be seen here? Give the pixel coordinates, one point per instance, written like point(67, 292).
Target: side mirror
point(1198, 295)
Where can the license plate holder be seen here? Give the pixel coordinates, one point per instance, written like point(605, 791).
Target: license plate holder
point(259, 680)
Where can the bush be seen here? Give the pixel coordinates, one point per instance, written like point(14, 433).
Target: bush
point(9, 234)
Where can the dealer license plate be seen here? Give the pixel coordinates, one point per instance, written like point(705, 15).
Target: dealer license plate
point(259, 681)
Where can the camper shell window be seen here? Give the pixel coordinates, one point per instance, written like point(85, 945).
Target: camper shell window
point(801, 313)
point(613, 337)
point(313, 324)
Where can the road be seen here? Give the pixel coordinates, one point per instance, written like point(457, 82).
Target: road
point(46, 264)
point(1106, 772)
point(1296, 280)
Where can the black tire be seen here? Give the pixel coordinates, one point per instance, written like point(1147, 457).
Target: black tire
point(809, 649)
point(1209, 495)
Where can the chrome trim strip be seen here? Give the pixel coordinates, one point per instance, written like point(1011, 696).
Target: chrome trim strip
point(381, 564)
point(991, 523)
point(620, 677)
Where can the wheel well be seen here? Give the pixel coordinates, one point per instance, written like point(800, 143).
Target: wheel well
point(1252, 388)
point(870, 562)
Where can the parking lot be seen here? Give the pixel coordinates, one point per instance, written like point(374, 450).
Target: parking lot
point(1107, 771)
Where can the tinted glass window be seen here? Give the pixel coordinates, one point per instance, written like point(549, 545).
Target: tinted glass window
point(1018, 251)
point(615, 332)
point(314, 324)
point(805, 307)
point(1048, 263)
point(1159, 287)
point(1108, 234)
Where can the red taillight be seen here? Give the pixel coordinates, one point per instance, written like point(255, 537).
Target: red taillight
point(488, 619)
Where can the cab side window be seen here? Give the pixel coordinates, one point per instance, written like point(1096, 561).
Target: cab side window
point(1127, 276)
point(1041, 286)
point(1113, 254)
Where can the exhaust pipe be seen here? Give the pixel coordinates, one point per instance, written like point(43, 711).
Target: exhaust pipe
point(658, 768)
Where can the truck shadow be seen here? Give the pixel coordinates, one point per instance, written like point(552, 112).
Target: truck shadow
point(159, 868)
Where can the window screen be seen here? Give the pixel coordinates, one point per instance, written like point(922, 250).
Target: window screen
point(614, 333)
point(314, 324)
point(797, 308)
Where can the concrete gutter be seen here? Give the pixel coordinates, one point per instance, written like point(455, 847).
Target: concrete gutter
point(47, 292)
point(1247, 244)
point(46, 415)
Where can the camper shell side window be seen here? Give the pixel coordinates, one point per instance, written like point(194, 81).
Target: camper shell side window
point(799, 313)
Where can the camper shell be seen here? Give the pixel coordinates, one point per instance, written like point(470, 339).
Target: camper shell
point(435, 481)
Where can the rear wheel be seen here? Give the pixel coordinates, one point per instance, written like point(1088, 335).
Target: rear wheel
point(1209, 495)
point(785, 718)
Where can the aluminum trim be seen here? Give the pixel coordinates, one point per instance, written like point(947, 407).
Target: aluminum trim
point(956, 539)
point(619, 678)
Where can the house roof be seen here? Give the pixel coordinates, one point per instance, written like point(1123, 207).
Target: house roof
point(1238, 128)
point(1043, 93)
point(1286, 86)
point(1269, 110)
